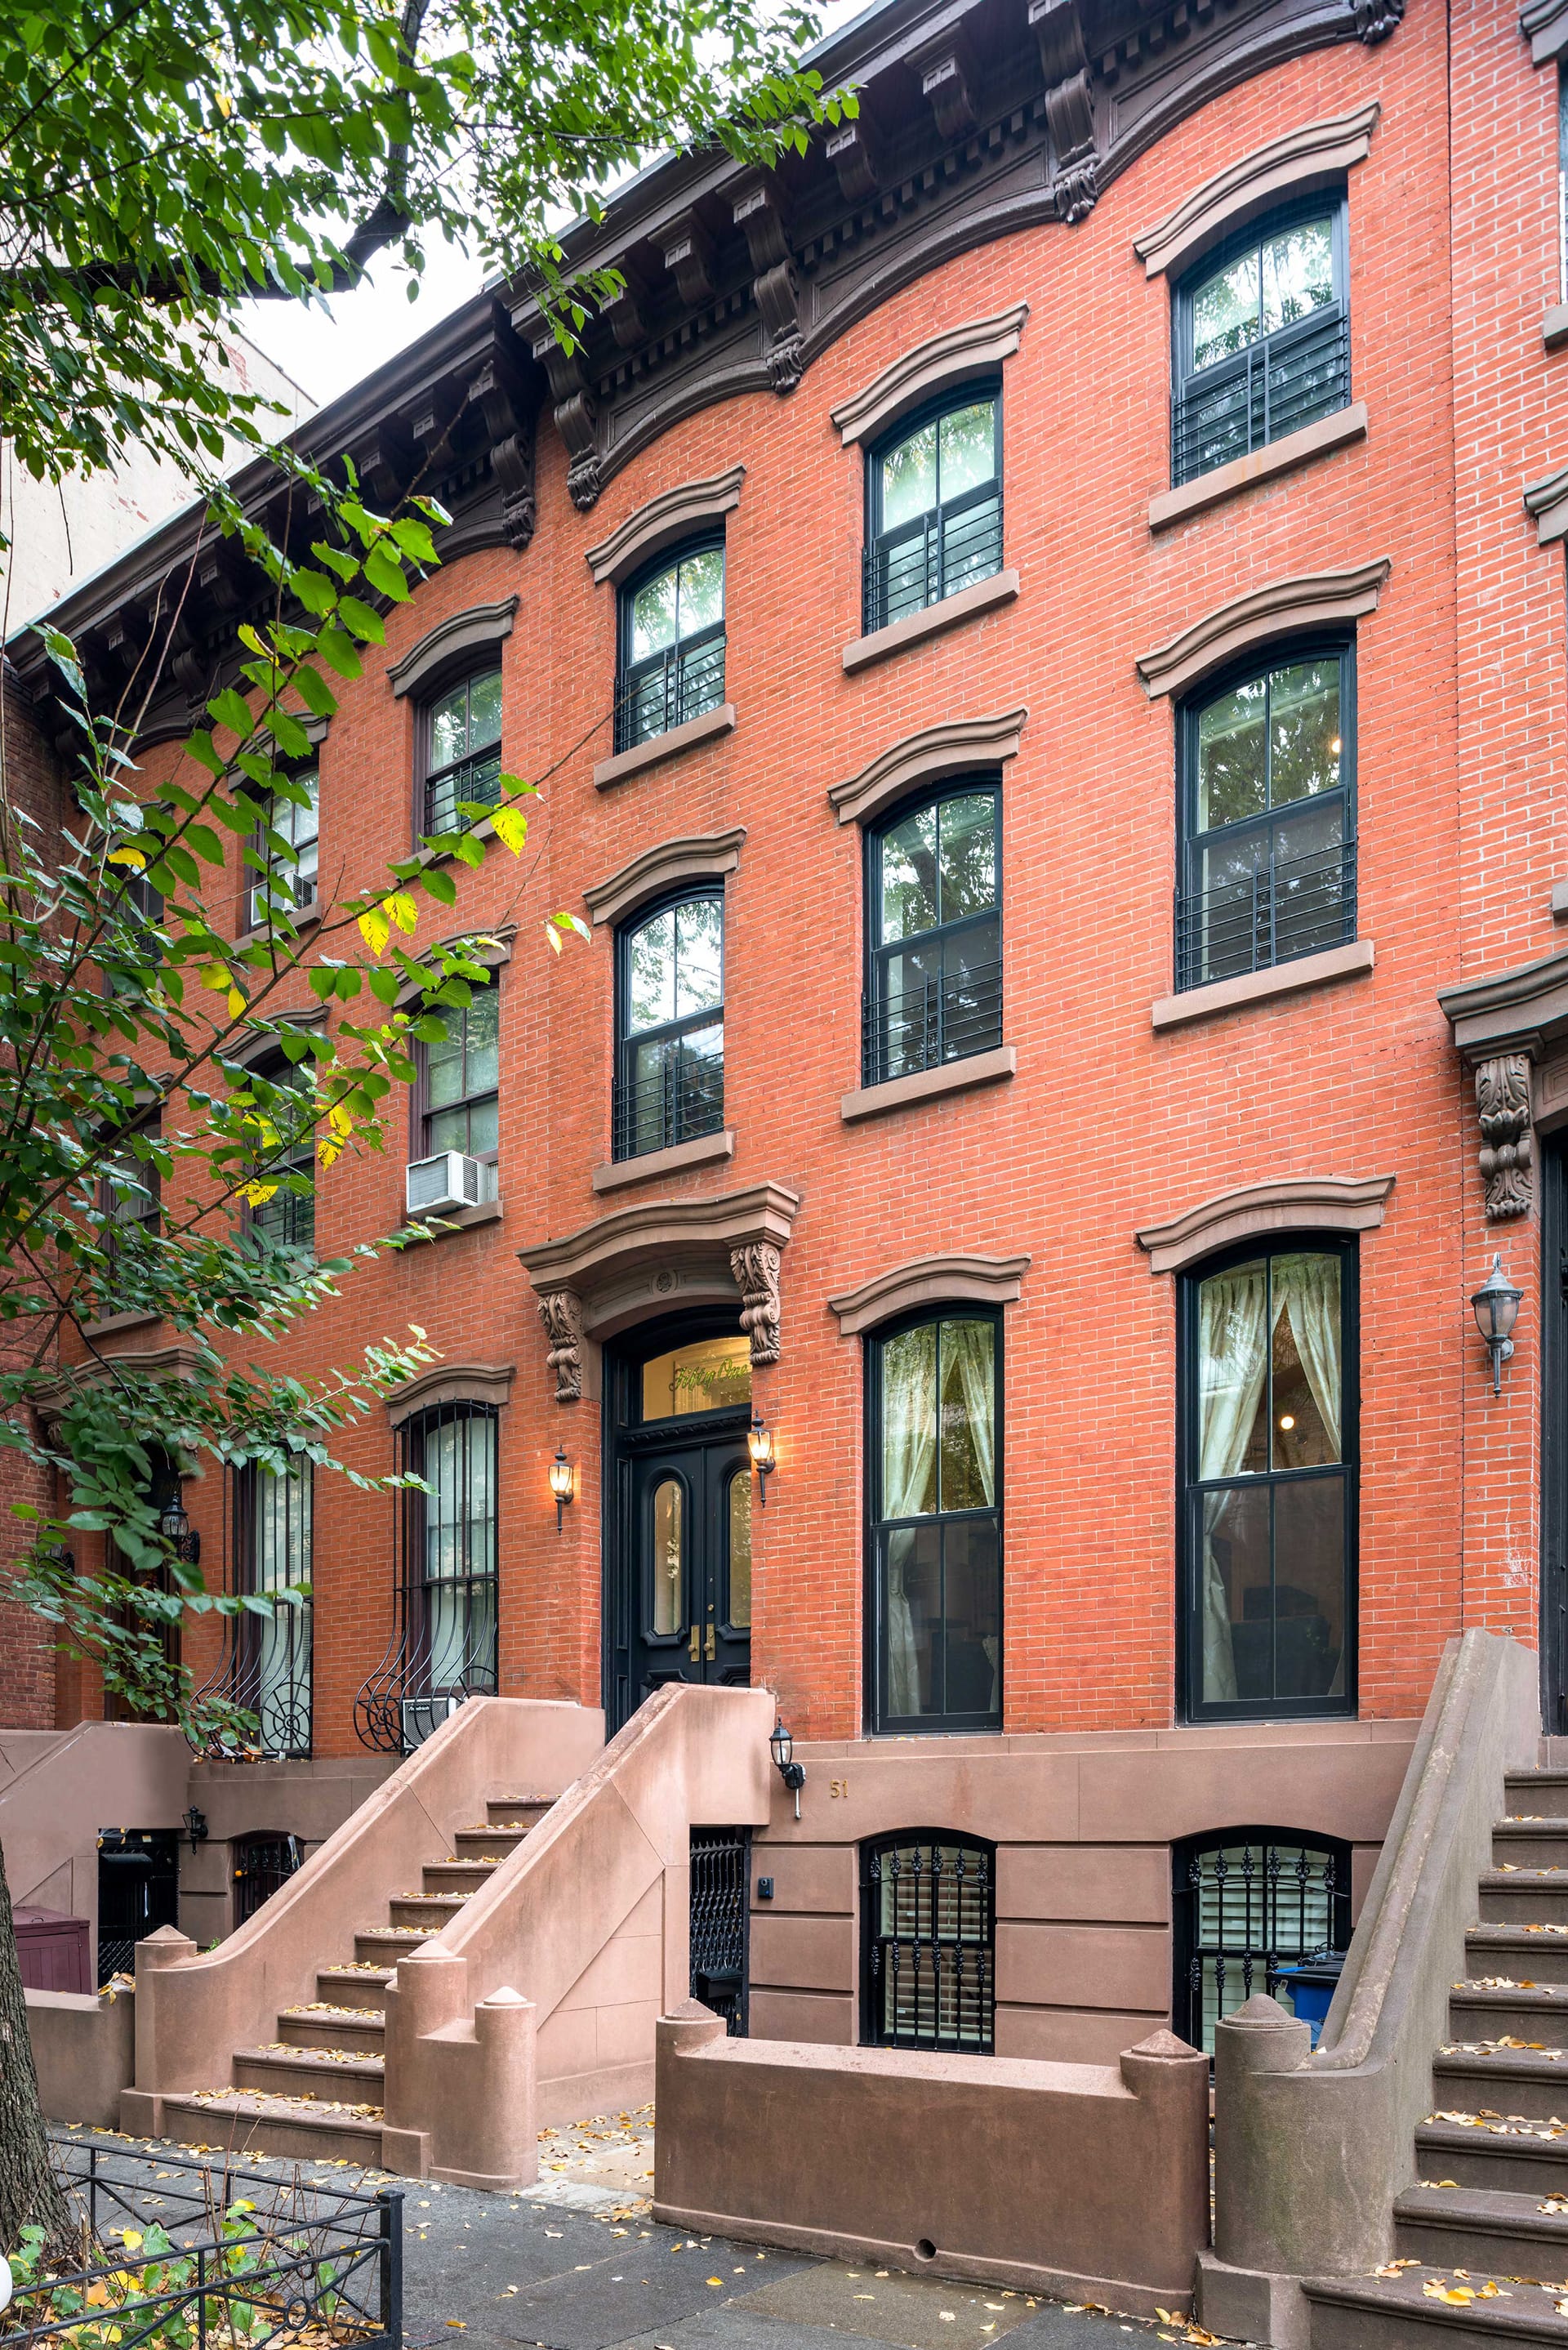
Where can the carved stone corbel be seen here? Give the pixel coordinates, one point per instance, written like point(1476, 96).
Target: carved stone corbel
point(687, 250)
point(852, 151)
point(943, 68)
point(1376, 19)
point(385, 460)
point(509, 422)
point(1069, 105)
point(561, 1312)
point(756, 1270)
point(624, 311)
point(1502, 1107)
point(577, 420)
point(758, 215)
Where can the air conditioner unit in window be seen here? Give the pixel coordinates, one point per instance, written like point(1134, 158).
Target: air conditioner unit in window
point(450, 1180)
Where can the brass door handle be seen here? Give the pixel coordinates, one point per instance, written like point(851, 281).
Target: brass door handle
point(695, 1649)
point(710, 1649)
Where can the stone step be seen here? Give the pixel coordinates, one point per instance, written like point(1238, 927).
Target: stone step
point(464, 1876)
point(1485, 2011)
point(324, 2026)
point(351, 2079)
point(361, 1986)
point(516, 1811)
point(1531, 1843)
point(1505, 2158)
point(1504, 2081)
point(1538, 1790)
point(434, 1909)
point(388, 1942)
point(1375, 2312)
point(1480, 2227)
point(487, 1843)
point(1524, 1896)
point(243, 2123)
point(1516, 1951)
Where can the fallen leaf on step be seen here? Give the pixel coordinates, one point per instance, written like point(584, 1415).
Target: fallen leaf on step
point(1436, 2290)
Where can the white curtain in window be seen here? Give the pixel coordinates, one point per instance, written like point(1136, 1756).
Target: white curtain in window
point(281, 1641)
point(1308, 1289)
point(460, 1543)
point(969, 1363)
point(1234, 1360)
point(908, 1486)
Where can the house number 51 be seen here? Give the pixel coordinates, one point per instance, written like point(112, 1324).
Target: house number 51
point(838, 1786)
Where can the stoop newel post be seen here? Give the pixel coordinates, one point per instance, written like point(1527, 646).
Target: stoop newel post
point(140, 2109)
point(497, 2137)
point(427, 1990)
point(1249, 2286)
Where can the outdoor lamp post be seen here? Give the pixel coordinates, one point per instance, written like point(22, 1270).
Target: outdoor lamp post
point(562, 1476)
point(1496, 1305)
point(760, 1444)
point(792, 1773)
point(174, 1525)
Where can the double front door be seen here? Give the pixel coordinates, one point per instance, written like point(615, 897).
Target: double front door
point(678, 1595)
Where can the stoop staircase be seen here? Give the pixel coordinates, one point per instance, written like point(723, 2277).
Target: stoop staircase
point(1492, 2157)
point(317, 2090)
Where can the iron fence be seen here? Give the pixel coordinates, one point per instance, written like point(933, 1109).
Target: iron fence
point(1284, 908)
point(936, 556)
point(721, 1887)
point(1273, 388)
point(213, 2255)
point(946, 1018)
point(684, 682)
point(680, 1099)
point(477, 778)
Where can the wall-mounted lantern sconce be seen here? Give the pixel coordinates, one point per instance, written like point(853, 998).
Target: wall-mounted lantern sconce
point(174, 1525)
point(760, 1444)
point(792, 1773)
point(195, 1825)
point(561, 1479)
point(1496, 1303)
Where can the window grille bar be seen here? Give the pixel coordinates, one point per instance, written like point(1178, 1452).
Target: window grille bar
point(721, 1879)
point(946, 1018)
point(952, 547)
point(1251, 1910)
point(682, 1098)
point(265, 1667)
point(1286, 907)
point(476, 778)
point(684, 682)
point(1275, 387)
point(930, 1933)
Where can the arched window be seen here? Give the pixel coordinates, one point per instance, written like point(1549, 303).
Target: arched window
point(1249, 1903)
point(449, 1562)
point(461, 729)
point(271, 1672)
point(670, 657)
point(670, 1025)
point(285, 851)
point(1262, 337)
point(927, 1918)
point(282, 1204)
point(934, 499)
point(933, 983)
point(1269, 1445)
point(934, 1608)
point(459, 1079)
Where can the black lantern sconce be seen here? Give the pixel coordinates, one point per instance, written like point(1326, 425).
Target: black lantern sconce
point(1495, 1306)
point(195, 1825)
point(174, 1525)
point(563, 1478)
point(760, 1444)
point(792, 1773)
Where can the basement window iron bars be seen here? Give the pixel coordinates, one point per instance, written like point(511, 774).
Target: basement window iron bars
point(1262, 341)
point(443, 1645)
point(934, 510)
point(928, 1907)
point(721, 1885)
point(263, 1865)
point(265, 1667)
point(1248, 1904)
point(671, 654)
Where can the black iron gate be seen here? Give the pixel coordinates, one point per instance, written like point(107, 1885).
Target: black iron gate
point(262, 1863)
point(138, 1891)
point(720, 1913)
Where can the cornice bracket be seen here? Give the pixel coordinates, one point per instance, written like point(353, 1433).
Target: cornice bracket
point(759, 216)
point(688, 250)
point(577, 420)
point(1069, 105)
point(1376, 19)
point(942, 66)
point(1507, 1156)
point(509, 422)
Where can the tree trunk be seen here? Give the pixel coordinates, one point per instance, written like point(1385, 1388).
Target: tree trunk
point(29, 2191)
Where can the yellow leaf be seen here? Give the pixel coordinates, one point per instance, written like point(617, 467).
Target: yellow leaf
point(131, 857)
point(715, 2279)
point(511, 828)
point(257, 1195)
point(236, 1003)
point(375, 929)
point(341, 1122)
point(402, 909)
point(217, 978)
point(225, 103)
point(131, 2239)
point(555, 938)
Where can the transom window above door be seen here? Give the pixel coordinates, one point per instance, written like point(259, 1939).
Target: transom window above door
point(669, 1018)
point(934, 982)
point(934, 508)
point(1268, 830)
point(706, 1375)
point(672, 651)
point(1261, 340)
point(463, 760)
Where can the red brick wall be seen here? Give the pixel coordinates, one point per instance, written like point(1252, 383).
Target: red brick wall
point(1106, 1127)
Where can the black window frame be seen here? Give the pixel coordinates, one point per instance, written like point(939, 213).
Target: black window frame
point(1188, 1949)
point(1338, 880)
point(285, 1713)
point(424, 1111)
point(271, 876)
point(871, 1854)
point(685, 1115)
point(1269, 367)
point(425, 1697)
point(880, 1720)
point(476, 777)
point(876, 591)
point(293, 1210)
point(701, 688)
point(978, 1028)
point(1191, 1707)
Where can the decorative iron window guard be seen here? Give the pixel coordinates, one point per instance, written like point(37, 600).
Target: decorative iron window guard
point(682, 1099)
point(720, 1884)
point(1248, 1907)
point(442, 1650)
point(263, 1865)
point(477, 778)
point(1285, 908)
point(265, 1665)
point(299, 2260)
point(936, 555)
point(1280, 384)
point(684, 681)
point(945, 1018)
point(929, 1909)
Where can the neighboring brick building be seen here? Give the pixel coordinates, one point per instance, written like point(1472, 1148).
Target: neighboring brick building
point(1209, 660)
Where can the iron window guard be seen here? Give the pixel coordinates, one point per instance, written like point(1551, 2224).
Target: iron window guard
point(684, 681)
point(931, 1975)
point(925, 561)
point(720, 1906)
point(1242, 1920)
point(681, 1100)
point(1287, 907)
point(945, 1018)
point(1277, 385)
point(475, 778)
point(246, 1672)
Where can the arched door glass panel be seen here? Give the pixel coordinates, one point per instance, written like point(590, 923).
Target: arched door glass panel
point(667, 1519)
point(740, 1530)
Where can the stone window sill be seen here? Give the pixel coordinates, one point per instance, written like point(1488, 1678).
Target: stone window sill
point(1258, 986)
point(926, 1084)
point(1283, 456)
point(262, 932)
point(665, 747)
point(457, 1219)
point(653, 1164)
point(113, 1321)
point(1560, 901)
point(984, 596)
point(1554, 327)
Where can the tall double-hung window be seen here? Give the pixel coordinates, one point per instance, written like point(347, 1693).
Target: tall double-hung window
point(933, 981)
point(449, 1562)
point(934, 494)
point(1262, 337)
point(935, 1612)
point(1267, 793)
point(670, 1025)
point(461, 731)
point(670, 657)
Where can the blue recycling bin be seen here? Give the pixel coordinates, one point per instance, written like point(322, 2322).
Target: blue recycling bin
point(1310, 1986)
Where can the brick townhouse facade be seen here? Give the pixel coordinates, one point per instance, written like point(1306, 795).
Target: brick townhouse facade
point(1041, 625)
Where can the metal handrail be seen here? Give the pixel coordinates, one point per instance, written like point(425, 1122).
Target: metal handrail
point(923, 562)
point(682, 1099)
point(681, 683)
point(1278, 385)
point(945, 1018)
point(1286, 907)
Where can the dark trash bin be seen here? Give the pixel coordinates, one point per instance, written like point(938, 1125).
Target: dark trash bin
point(1311, 1985)
point(54, 1950)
